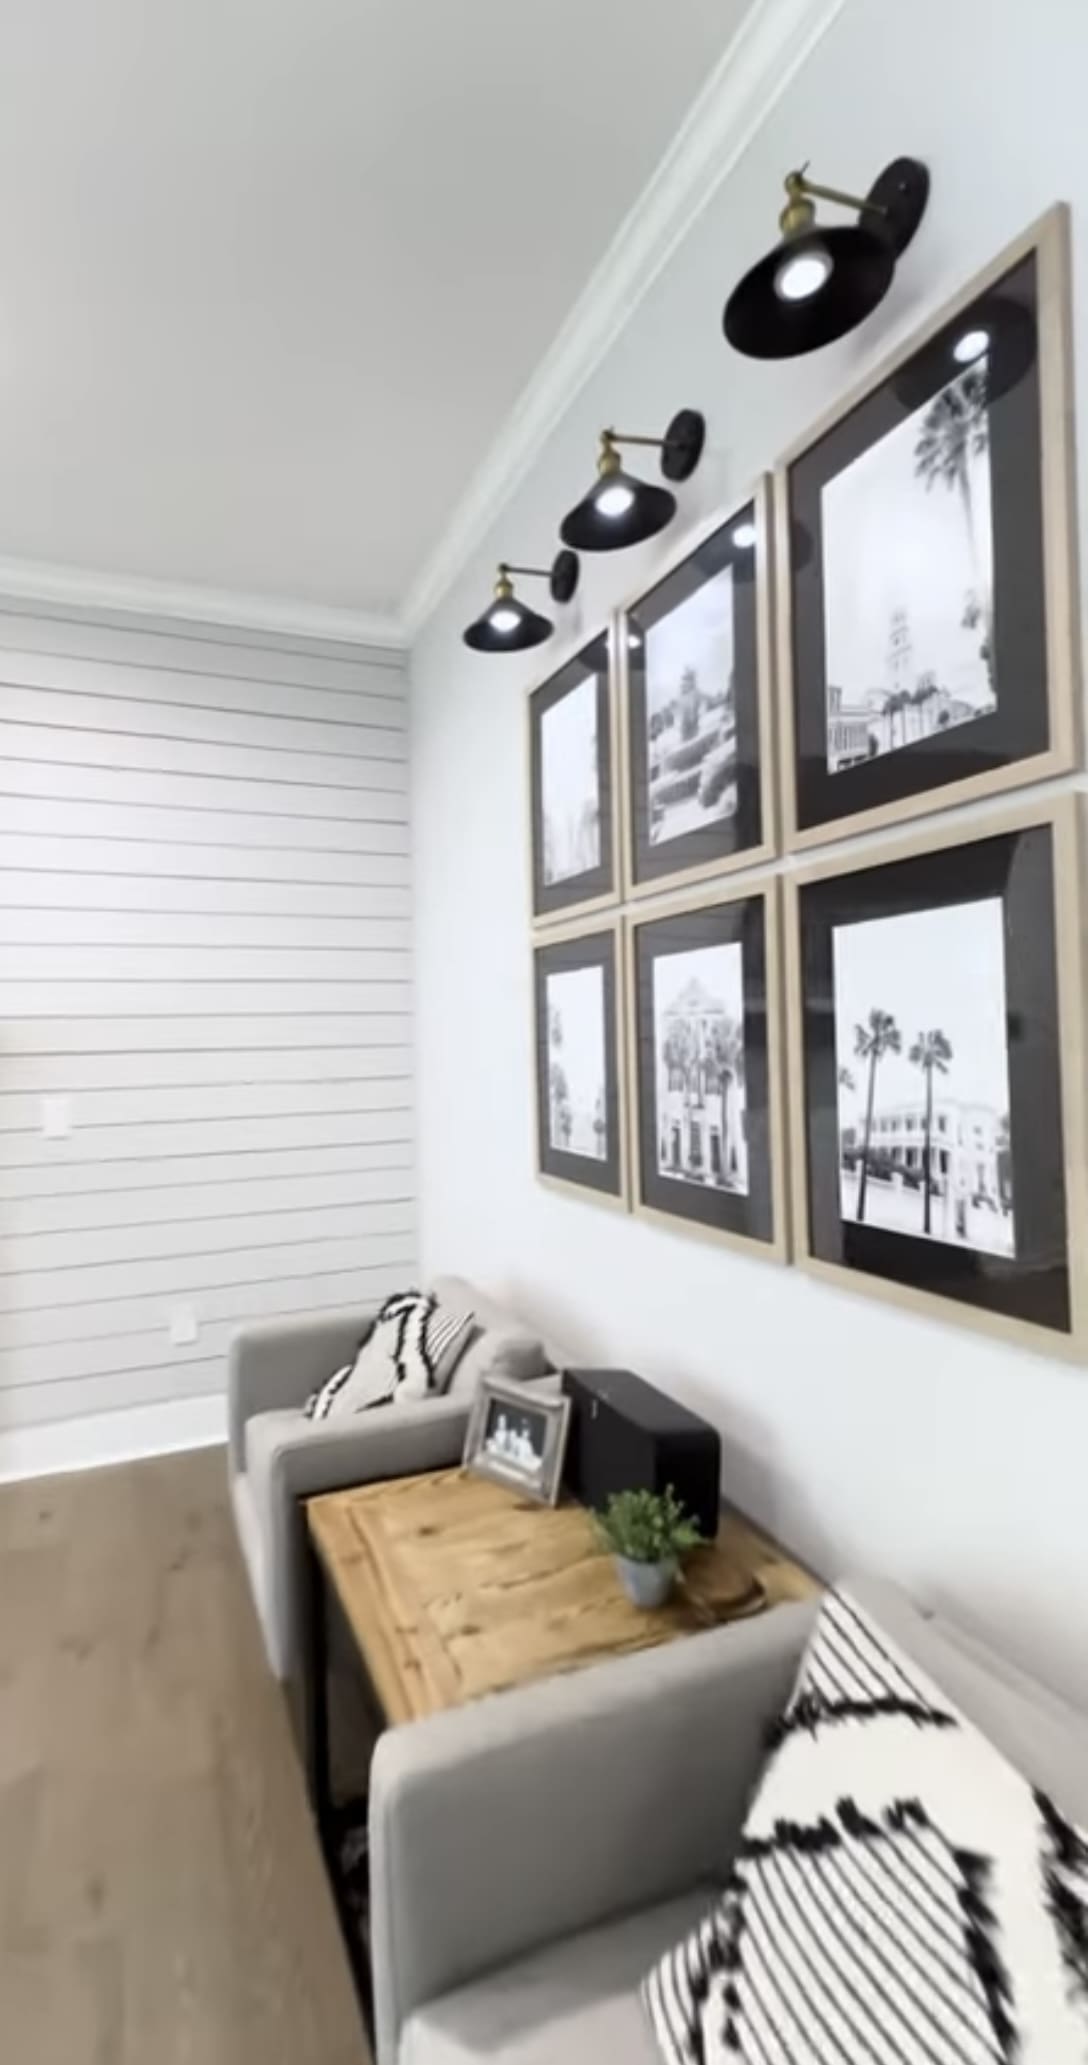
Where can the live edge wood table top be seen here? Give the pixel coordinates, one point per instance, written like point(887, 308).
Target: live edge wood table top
point(453, 1587)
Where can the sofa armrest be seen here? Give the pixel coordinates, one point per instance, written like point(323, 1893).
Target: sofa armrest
point(499, 1826)
point(395, 1440)
point(279, 1362)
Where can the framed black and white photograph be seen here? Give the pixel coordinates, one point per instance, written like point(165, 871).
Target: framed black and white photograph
point(580, 1071)
point(936, 1072)
point(694, 661)
point(518, 1439)
point(927, 625)
point(706, 1107)
point(573, 806)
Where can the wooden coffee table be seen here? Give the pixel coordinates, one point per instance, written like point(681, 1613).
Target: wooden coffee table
point(427, 1592)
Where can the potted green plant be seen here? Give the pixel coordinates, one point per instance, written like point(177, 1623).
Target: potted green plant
point(648, 1532)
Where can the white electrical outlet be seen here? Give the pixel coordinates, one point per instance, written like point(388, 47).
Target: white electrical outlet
point(183, 1326)
point(56, 1117)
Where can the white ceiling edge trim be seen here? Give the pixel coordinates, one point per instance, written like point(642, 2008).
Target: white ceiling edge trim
point(73, 587)
point(771, 45)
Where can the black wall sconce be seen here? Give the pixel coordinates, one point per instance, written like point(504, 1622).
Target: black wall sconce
point(507, 625)
point(620, 510)
point(819, 283)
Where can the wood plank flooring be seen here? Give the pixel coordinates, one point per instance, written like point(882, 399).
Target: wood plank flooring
point(161, 1893)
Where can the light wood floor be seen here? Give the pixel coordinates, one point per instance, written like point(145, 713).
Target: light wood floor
point(162, 1901)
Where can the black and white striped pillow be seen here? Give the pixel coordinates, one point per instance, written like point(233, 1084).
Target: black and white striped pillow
point(899, 1893)
point(411, 1351)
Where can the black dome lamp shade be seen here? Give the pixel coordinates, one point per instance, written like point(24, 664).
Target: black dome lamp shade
point(507, 625)
point(620, 510)
point(819, 283)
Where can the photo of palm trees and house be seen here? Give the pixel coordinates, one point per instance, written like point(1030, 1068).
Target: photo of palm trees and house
point(923, 1075)
point(570, 784)
point(908, 579)
point(698, 1019)
point(691, 733)
point(577, 1110)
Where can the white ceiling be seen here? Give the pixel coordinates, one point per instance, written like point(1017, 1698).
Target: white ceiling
point(273, 272)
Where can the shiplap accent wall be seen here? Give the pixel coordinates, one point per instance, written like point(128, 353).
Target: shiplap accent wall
point(204, 948)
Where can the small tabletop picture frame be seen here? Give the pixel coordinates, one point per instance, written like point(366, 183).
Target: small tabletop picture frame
point(518, 1439)
point(694, 661)
point(574, 807)
point(936, 1073)
point(926, 559)
point(580, 1060)
point(705, 1066)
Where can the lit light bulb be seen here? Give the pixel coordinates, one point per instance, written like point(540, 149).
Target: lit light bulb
point(744, 535)
point(797, 279)
point(503, 619)
point(615, 499)
point(634, 639)
point(970, 346)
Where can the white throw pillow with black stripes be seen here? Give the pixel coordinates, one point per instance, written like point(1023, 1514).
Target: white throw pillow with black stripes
point(900, 1893)
point(411, 1351)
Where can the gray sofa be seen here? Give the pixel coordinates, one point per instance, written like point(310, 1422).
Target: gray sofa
point(533, 1854)
point(277, 1457)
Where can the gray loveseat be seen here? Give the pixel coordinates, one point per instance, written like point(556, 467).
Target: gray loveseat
point(277, 1457)
point(534, 1853)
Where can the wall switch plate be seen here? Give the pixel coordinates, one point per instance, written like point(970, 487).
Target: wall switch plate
point(183, 1326)
point(56, 1117)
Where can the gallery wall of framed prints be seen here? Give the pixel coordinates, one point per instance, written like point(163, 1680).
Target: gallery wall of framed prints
point(704, 1071)
point(927, 623)
point(871, 1062)
point(574, 814)
point(937, 1071)
point(693, 665)
point(580, 1060)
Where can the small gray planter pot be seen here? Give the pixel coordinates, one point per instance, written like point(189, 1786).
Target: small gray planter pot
point(646, 1584)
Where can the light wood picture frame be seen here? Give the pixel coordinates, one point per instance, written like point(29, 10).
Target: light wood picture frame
point(575, 707)
point(719, 952)
point(1024, 1281)
point(732, 733)
point(956, 644)
point(582, 1140)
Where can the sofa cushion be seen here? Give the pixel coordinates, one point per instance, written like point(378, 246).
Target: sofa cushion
point(899, 1890)
point(502, 1347)
point(574, 2003)
point(410, 1351)
point(1038, 1733)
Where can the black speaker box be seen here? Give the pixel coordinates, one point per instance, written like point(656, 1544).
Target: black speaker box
point(625, 1435)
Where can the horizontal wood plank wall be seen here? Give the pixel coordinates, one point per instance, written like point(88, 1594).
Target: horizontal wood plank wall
point(205, 948)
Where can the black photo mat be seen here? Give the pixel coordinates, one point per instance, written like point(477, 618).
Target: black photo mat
point(741, 921)
point(1032, 1284)
point(560, 956)
point(593, 883)
point(723, 837)
point(1019, 727)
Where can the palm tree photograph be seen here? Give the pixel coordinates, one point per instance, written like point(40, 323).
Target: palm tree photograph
point(698, 1022)
point(921, 1038)
point(908, 579)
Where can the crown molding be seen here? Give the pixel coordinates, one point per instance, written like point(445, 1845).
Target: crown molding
point(59, 588)
point(771, 45)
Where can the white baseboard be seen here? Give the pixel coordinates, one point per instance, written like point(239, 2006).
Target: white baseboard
point(121, 1437)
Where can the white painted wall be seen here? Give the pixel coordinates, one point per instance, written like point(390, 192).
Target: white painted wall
point(864, 1437)
point(204, 952)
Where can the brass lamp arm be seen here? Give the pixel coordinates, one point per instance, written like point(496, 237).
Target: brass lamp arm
point(798, 215)
point(833, 193)
point(624, 437)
